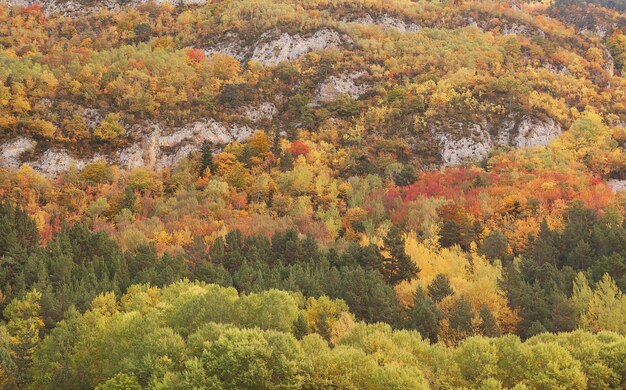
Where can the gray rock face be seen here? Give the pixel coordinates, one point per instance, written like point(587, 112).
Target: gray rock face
point(274, 46)
point(76, 8)
point(156, 147)
point(617, 185)
point(461, 143)
point(334, 86)
point(159, 148)
point(229, 44)
point(533, 132)
point(264, 111)
point(55, 161)
point(386, 21)
point(272, 51)
point(458, 150)
point(11, 151)
point(520, 29)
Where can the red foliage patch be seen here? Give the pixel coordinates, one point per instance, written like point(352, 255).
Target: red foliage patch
point(196, 55)
point(298, 148)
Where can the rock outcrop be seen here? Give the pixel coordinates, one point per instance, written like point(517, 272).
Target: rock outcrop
point(274, 47)
point(159, 147)
point(11, 151)
point(617, 185)
point(55, 161)
point(386, 21)
point(462, 143)
point(350, 84)
point(264, 111)
point(155, 147)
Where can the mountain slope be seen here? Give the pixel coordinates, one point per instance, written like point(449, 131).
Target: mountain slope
point(445, 84)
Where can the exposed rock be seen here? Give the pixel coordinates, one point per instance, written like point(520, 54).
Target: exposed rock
point(132, 157)
point(600, 31)
point(556, 69)
point(77, 8)
point(54, 161)
point(155, 147)
point(334, 86)
point(533, 132)
point(264, 111)
point(617, 185)
point(11, 151)
point(609, 66)
point(386, 21)
point(271, 50)
point(158, 147)
point(229, 44)
point(463, 143)
point(92, 117)
point(456, 151)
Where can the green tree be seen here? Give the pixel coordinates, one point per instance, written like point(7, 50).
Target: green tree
point(399, 266)
point(440, 288)
point(251, 359)
point(423, 316)
point(488, 323)
point(110, 129)
point(495, 245)
point(206, 158)
point(300, 326)
point(24, 326)
point(461, 315)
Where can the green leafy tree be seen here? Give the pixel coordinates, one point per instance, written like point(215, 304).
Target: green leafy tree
point(24, 326)
point(300, 326)
point(110, 129)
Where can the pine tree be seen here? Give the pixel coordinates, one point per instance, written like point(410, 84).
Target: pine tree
point(461, 315)
point(488, 325)
point(128, 199)
point(399, 266)
point(440, 288)
point(323, 327)
point(423, 316)
point(206, 158)
point(300, 326)
point(495, 245)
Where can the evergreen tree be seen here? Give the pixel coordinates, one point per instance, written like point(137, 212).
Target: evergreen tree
point(323, 327)
point(423, 316)
point(461, 315)
point(129, 200)
point(495, 246)
point(300, 326)
point(406, 176)
point(399, 267)
point(488, 325)
point(206, 158)
point(440, 288)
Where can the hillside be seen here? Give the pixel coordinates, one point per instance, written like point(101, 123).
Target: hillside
point(445, 84)
point(358, 194)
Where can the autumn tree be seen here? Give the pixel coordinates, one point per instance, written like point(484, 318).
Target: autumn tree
point(110, 129)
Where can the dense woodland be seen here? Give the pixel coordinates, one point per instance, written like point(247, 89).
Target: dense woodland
point(329, 249)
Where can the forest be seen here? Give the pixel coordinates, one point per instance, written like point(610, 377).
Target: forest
point(335, 245)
